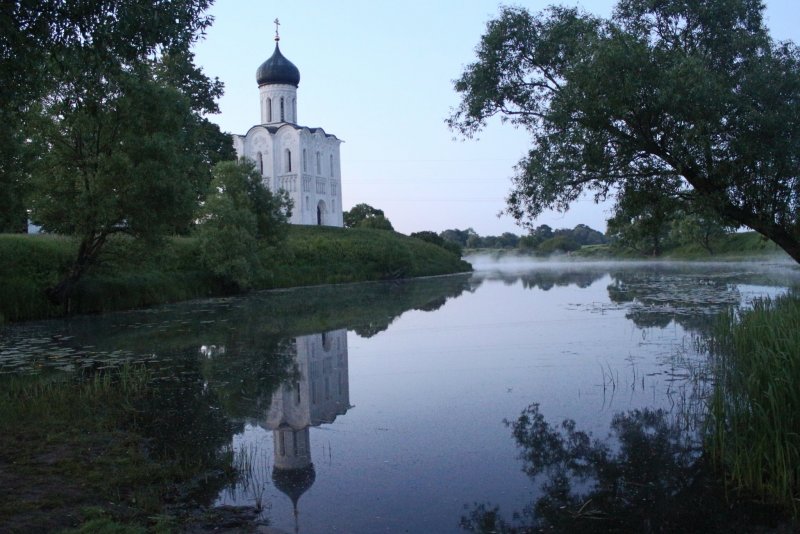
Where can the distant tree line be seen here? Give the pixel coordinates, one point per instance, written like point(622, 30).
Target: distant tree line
point(542, 239)
point(649, 231)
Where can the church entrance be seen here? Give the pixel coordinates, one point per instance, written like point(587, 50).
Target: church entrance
point(321, 213)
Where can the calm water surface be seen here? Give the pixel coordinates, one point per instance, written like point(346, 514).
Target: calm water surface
point(395, 407)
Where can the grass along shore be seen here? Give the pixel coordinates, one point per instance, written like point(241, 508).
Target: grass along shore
point(755, 409)
point(133, 274)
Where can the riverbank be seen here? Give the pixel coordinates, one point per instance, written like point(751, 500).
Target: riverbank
point(741, 246)
point(132, 274)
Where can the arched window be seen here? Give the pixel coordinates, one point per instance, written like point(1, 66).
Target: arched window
point(283, 117)
point(319, 164)
point(288, 160)
point(260, 159)
point(331, 160)
point(269, 110)
point(305, 161)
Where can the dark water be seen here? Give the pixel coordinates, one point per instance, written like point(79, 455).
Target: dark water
point(435, 405)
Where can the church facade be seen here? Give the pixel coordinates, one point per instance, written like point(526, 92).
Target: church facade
point(300, 160)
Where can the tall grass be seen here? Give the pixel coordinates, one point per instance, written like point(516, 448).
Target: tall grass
point(75, 394)
point(755, 407)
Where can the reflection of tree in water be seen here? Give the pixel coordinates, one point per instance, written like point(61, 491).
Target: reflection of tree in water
point(657, 297)
point(547, 279)
point(184, 427)
point(649, 477)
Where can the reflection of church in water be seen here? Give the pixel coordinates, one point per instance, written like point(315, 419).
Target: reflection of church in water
point(320, 394)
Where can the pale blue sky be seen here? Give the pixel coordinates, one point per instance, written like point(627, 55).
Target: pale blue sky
point(379, 76)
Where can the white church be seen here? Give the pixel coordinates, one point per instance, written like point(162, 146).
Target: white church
point(300, 160)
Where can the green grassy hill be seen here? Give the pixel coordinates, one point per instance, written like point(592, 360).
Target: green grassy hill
point(133, 274)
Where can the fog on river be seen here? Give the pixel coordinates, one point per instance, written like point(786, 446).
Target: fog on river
point(392, 407)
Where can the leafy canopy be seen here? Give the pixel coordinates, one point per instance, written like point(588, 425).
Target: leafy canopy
point(239, 214)
point(365, 216)
point(109, 110)
point(689, 98)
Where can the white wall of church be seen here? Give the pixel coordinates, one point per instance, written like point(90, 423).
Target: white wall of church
point(304, 162)
point(278, 103)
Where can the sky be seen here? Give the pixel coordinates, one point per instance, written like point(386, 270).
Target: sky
point(379, 75)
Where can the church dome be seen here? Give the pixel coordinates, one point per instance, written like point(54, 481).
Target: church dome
point(294, 482)
point(277, 70)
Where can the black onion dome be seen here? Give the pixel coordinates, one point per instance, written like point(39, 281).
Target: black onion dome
point(294, 482)
point(277, 70)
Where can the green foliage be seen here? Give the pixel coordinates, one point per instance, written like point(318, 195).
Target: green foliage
point(365, 216)
point(436, 239)
point(541, 240)
point(703, 229)
point(558, 244)
point(132, 273)
point(459, 237)
point(239, 211)
point(756, 403)
point(691, 100)
point(110, 109)
point(379, 222)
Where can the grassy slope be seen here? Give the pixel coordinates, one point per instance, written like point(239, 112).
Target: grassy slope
point(132, 274)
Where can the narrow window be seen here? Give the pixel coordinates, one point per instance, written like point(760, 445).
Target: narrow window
point(288, 160)
point(269, 110)
point(282, 112)
point(294, 442)
point(319, 164)
point(305, 161)
point(260, 163)
point(331, 160)
point(282, 443)
point(297, 392)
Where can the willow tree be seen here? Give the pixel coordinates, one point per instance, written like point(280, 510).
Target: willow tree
point(691, 98)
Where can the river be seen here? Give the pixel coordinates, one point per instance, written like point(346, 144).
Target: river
point(432, 405)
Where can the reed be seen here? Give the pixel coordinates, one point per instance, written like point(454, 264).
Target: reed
point(755, 408)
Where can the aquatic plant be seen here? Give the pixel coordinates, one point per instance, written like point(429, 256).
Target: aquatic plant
point(755, 409)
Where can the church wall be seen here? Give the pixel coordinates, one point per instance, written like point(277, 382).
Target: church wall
point(315, 189)
point(275, 92)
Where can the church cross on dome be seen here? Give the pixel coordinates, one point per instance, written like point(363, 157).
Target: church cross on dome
point(277, 24)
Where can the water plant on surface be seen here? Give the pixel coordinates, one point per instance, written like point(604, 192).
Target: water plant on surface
point(755, 409)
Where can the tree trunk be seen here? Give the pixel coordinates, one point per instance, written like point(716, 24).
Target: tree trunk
point(88, 251)
point(789, 241)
